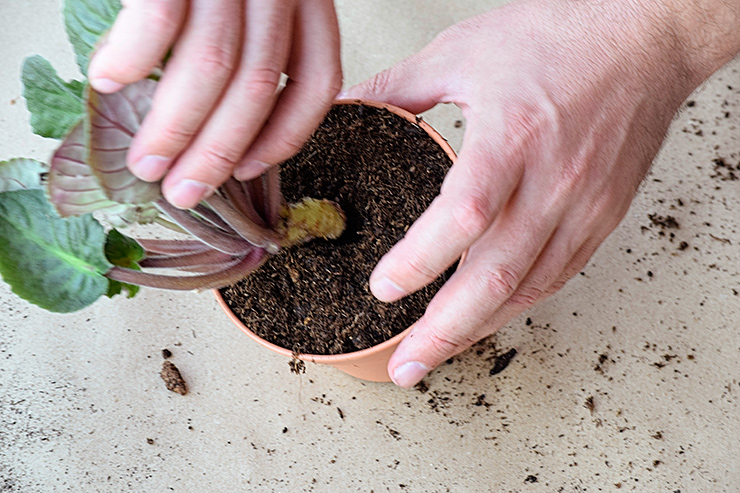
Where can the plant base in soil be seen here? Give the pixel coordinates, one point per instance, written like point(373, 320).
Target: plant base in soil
point(383, 172)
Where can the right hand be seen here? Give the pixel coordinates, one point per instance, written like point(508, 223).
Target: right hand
point(566, 104)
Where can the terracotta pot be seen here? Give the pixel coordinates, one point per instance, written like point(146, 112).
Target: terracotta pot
point(372, 363)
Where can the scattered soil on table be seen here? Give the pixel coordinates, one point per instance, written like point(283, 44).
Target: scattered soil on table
point(665, 222)
point(315, 299)
point(173, 379)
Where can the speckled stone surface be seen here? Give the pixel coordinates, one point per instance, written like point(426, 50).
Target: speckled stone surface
point(627, 380)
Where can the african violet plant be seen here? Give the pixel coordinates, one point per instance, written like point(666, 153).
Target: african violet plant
point(60, 246)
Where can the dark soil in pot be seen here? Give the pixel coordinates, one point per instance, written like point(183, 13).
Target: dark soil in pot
point(315, 299)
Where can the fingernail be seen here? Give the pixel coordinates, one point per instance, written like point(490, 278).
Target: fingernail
point(187, 193)
point(151, 168)
point(250, 169)
point(409, 374)
point(106, 86)
point(386, 290)
point(343, 94)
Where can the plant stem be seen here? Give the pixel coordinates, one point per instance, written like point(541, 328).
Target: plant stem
point(207, 234)
point(207, 214)
point(196, 259)
point(219, 279)
point(172, 247)
point(273, 198)
point(169, 225)
point(237, 193)
point(257, 235)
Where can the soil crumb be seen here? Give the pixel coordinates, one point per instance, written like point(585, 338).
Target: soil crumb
point(172, 378)
point(501, 361)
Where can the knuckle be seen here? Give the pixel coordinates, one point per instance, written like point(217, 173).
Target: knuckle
point(498, 284)
point(472, 215)
point(216, 59)
point(420, 268)
point(527, 122)
point(527, 296)
point(176, 136)
point(444, 345)
point(220, 159)
point(287, 145)
point(162, 15)
point(381, 83)
point(262, 82)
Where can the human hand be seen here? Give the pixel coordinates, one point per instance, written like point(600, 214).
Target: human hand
point(217, 111)
point(566, 105)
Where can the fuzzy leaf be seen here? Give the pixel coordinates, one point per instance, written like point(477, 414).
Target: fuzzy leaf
point(86, 22)
point(55, 106)
point(123, 252)
point(74, 190)
point(20, 174)
point(113, 121)
point(55, 263)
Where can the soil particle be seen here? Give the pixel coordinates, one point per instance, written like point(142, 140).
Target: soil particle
point(501, 361)
point(296, 364)
point(166, 353)
point(172, 378)
point(384, 172)
point(422, 387)
point(589, 404)
point(664, 222)
point(723, 171)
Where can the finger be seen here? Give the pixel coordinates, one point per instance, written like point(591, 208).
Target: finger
point(474, 192)
point(495, 267)
point(315, 79)
point(137, 43)
point(416, 83)
point(546, 278)
point(489, 290)
point(202, 63)
point(244, 107)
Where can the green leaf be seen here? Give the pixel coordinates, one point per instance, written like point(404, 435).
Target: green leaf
point(123, 252)
point(55, 106)
point(55, 263)
point(20, 174)
point(74, 190)
point(86, 22)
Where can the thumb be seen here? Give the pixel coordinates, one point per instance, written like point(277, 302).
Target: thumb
point(415, 84)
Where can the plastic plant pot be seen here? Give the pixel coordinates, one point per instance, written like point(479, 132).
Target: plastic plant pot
point(368, 364)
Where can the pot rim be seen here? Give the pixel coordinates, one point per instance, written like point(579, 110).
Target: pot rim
point(332, 359)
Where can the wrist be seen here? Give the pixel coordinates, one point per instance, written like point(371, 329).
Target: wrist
point(696, 36)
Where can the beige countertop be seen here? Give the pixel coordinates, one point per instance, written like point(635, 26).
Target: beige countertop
point(626, 380)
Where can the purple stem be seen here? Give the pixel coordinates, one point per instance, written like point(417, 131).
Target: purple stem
point(256, 192)
point(207, 257)
point(273, 198)
point(172, 247)
point(238, 194)
point(257, 235)
point(213, 218)
point(207, 234)
point(219, 279)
